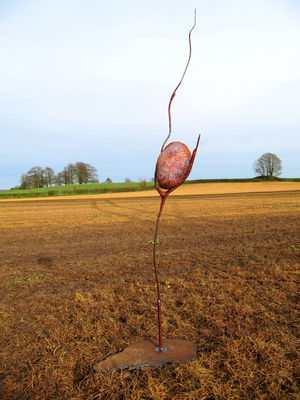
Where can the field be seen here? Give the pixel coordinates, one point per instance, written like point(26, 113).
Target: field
point(114, 187)
point(77, 285)
point(65, 190)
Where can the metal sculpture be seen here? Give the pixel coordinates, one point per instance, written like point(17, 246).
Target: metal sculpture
point(173, 166)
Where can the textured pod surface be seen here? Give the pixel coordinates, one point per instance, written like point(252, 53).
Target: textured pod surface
point(173, 165)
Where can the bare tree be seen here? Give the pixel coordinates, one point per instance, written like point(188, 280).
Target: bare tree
point(268, 165)
point(25, 181)
point(86, 173)
point(127, 180)
point(81, 172)
point(59, 179)
point(68, 176)
point(92, 174)
point(36, 177)
point(71, 174)
point(49, 176)
point(65, 176)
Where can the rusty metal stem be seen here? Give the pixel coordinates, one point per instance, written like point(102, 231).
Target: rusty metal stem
point(163, 199)
point(183, 75)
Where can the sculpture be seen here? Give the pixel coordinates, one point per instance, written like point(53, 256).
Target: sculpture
point(173, 166)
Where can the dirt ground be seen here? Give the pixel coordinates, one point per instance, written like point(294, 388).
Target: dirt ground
point(77, 285)
point(193, 189)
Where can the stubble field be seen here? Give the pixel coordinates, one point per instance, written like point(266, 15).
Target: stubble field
point(77, 285)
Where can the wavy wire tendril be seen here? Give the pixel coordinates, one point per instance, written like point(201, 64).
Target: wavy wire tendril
point(174, 93)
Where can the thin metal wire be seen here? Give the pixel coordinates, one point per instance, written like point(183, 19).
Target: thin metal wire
point(163, 199)
point(174, 93)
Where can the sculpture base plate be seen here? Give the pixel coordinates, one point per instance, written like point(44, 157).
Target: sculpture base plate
point(147, 354)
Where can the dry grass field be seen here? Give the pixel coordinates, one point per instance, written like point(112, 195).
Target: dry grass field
point(77, 285)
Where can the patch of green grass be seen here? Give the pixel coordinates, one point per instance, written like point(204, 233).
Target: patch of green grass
point(118, 280)
point(152, 241)
point(68, 190)
point(22, 279)
point(28, 278)
point(164, 283)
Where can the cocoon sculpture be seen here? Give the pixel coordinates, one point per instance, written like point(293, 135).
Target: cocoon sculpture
point(172, 168)
point(173, 165)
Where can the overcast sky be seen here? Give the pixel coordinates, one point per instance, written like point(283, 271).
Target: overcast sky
point(90, 80)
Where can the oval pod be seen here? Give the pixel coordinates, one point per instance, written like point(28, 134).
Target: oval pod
point(173, 165)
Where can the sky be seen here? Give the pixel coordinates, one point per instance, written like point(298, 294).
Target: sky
point(90, 80)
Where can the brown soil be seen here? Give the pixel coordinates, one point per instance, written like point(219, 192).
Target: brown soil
point(191, 189)
point(77, 285)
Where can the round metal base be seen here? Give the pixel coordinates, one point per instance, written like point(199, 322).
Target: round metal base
point(145, 354)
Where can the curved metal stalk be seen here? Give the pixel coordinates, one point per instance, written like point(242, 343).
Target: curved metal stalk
point(165, 194)
point(163, 199)
point(183, 75)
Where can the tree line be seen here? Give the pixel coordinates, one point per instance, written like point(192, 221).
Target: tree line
point(78, 173)
point(267, 166)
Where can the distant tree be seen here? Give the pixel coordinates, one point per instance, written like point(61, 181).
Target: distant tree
point(35, 177)
point(80, 172)
point(77, 173)
point(108, 180)
point(59, 179)
point(49, 176)
point(268, 165)
point(127, 180)
point(92, 174)
point(25, 181)
point(64, 174)
point(86, 173)
point(69, 175)
point(93, 180)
